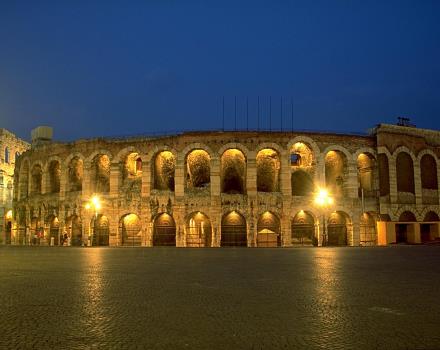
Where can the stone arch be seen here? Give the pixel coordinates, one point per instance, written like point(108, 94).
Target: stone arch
point(100, 173)
point(74, 230)
point(384, 174)
point(336, 171)
point(367, 229)
point(268, 170)
point(197, 169)
point(53, 171)
point(429, 179)
point(93, 155)
point(75, 172)
point(23, 184)
point(53, 230)
point(131, 171)
point(407, 216)
point(301, 183)
point(198, 230)
point(302, 155)
point(200, 146)
point(164, 230)
point(303, 228)
point(101, 230)
point(124, 152)
point(130, 228)
point(405, 177)
point(309, 142)
point(233, 171)
point(268, 230)
point(366, 166)
point(233, 230)
point(234, 145)
point(163, 170)
point(36, 178)
point(337, 229)
point(431, 216)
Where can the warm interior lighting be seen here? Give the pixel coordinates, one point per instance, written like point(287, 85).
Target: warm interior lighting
point(9, 215)
point(323, 198)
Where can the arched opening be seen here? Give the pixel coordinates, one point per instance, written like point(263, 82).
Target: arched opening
point(8, 227)
point(367, 228)
point(365, 167)
point(301, 155)
point(101, 231)
point(405, 228)
point(54, 230)
point(198, 230)
point(405, 178)
point(337, 229)
point(131, 230)
point(164, 233)
point(36, 231)
point(335, 172)
point(132, 174)
point(233, 172)
point(429, 230)
point(164, 168)
point(268, 171)
point(23, 181)
point(75, 174)
point(74, 230)
point(7, 155)
point(268, 230)
point(101, 173)
point(36, 179)
point(302, 183)
point(303, 229)
point(384, 175)
point(234, 231)
point(428, 172)
point(197, 169)
point(54, 170)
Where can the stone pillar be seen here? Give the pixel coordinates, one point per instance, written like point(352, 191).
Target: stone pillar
point(87, 184)
point(146, 178)
point(63, 183)
point(114, 179)
point(356, 233)
point(286, 231)
point(320, 170)
point(285, 175)
point(114, 234)
point(417, 184)
point(179, 178)
point(352, 180)
point(251, 175)
point(215, 177)
point(393, 179)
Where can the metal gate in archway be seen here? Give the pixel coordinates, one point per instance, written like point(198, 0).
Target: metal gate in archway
point(76, 234)
point(54, 232)
point(164, 235)
point(131, 236)
point(234, 236)
point(101, 236)
point(336, 235)
point(8, 232)
point(303, 234)
point(368, 234)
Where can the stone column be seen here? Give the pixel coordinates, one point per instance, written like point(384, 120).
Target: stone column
point(286, 231)
point(352, 180)
point(285, 175)
point(251, 175)
point(114, 179)
point(87, 180)
point(179, 178)
point(393, 180)
point(215, 177)
point(146, 179)
point(417, 184)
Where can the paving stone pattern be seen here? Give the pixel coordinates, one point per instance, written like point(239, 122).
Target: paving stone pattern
point(171, 298)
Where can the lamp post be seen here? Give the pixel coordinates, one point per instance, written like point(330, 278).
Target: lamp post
point(95, 205)
point(323, 200)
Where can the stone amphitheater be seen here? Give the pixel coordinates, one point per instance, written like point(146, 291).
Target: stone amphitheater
point(230, 188)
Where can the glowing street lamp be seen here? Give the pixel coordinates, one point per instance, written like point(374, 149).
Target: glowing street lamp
point(94, 204)
point(324, 200)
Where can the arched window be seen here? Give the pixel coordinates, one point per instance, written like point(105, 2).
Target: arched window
point(7, 155)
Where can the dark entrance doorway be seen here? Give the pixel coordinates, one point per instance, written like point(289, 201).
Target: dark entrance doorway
point(164, 233)
point(101, 231)
point(401, 233)
point(337, 235)
point(8, 232)
point(234, 233)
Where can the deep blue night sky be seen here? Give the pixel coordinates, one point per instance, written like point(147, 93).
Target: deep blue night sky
point(111, 68)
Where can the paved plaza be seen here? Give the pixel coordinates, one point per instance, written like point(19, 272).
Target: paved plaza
point(237, 298)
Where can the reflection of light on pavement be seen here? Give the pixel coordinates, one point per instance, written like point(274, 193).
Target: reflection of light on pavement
point(329, 305)
point(93, 293)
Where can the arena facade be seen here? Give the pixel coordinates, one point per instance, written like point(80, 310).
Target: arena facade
point(230, 188)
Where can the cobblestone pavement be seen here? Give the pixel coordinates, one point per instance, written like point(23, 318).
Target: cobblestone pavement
point(170, 298)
